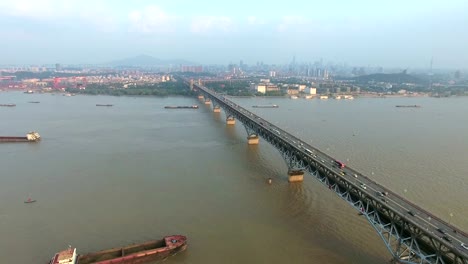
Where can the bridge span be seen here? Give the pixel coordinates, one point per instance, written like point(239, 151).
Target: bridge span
point(410, 233)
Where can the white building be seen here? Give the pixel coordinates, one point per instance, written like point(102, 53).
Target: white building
point(310, 90)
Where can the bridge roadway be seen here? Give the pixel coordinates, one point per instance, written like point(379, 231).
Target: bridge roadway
point(423, 219)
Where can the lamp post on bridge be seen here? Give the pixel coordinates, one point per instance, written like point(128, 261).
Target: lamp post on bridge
point(450, 220)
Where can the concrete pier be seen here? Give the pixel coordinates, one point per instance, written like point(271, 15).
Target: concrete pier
point(252, 140)
point(230, 120)
point(217, 109)
point(295, 176)
point(201, 97)
point(207, 102)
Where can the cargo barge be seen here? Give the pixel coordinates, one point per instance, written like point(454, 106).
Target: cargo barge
point(34, 102)
point(265, 106)
point(8, 105)
point(30, 137)
point(182, 107)
point(104, 105)
point(407, 106)
point(139, 253)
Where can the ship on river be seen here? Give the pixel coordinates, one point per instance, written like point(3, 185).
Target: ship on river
point(8, 105)
point(30, 137)
point(408, 106)
point(139, 253)
point(182, 107)
point(265, 106)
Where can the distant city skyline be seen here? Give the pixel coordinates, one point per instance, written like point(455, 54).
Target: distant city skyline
point(378, 33)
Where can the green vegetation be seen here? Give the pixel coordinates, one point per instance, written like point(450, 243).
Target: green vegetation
point(157, 89)
point(235, 88)
point(389, 78)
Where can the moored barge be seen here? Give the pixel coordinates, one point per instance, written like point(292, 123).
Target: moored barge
point(140, 253)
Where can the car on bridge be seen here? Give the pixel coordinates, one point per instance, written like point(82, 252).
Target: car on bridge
point(464, 246)
point(446, 238)
point(441, 230)
point(411, 213)
point(363, 186)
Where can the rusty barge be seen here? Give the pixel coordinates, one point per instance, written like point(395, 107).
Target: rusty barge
point(140, 253)
point(30, 137)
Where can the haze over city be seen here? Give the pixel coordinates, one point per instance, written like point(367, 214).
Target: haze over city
point(386, 33)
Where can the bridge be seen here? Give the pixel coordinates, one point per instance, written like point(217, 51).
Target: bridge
point(410, 233)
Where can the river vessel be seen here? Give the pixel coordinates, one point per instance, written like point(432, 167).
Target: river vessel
point(104, 105)
point(407, 106)
point(30, 137)
point(8, 105)
point(182, 107)
point(265, 106)
point(29, 200)
point(139, 253)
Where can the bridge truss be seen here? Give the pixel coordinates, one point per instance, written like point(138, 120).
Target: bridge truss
point(403, 237)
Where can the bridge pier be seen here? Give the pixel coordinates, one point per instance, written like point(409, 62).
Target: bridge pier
point(295, 175)
point(253, 139)
point(201, 97)
point(207, 101)
point(230, 120)
point(217, 109)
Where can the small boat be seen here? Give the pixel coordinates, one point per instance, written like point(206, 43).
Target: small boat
point(33, 102)
point(29, 200)
point(8, 105)
point(139, 253)
point(104, 105)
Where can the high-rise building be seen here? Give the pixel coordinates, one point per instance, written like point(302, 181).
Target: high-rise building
point(58, 67)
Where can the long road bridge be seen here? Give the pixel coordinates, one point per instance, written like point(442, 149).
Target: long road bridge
point(410, 233)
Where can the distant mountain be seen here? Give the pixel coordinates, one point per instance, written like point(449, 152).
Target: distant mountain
point(390, 78)
point(146, 60)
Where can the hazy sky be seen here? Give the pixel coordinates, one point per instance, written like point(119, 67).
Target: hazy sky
point(404, 33)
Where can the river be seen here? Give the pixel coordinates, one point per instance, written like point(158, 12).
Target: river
point(110, 176)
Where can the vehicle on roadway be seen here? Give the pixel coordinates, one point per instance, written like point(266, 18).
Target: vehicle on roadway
point(355, 175)
point(464, 246)
point(441, 231)
point(340, 164)
point(382, 194)
point(411, 213)
point(363, 186)
point(446, 238)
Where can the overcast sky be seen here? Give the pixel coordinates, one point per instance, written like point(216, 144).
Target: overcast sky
point(404, 33)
